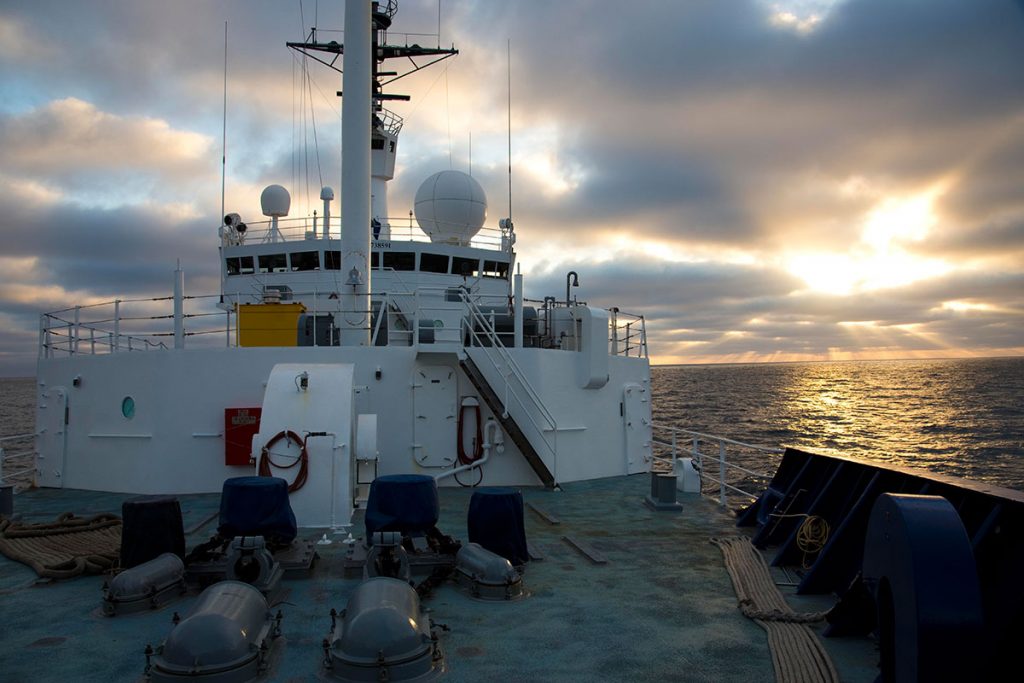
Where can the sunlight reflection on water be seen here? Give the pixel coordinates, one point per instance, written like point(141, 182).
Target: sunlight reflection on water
point(959, 417)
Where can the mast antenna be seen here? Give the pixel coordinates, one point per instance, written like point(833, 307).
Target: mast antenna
point(508, 48)
point(224, 126)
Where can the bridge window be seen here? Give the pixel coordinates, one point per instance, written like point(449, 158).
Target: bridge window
point(332, 260)
point(273, 263)
point(496, 269)
point(306, 260)
point(400, 260)
point(240, 265)
point(434, 263)
point(466, 267)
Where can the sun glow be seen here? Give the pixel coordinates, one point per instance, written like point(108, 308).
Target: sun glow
point(963, 306)
point(881, 259)
point(554, 177)
point(800, 16)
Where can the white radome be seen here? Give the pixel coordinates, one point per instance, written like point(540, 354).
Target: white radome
point(275, 201)
point(451, 207)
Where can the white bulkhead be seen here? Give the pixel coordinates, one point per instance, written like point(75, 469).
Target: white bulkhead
point(307, 437)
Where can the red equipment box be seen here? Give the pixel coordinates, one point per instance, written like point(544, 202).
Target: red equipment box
point(240, 425)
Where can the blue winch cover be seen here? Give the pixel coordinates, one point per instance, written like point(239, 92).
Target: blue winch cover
point(257, 506)
point(402, 502)
point(496, 523)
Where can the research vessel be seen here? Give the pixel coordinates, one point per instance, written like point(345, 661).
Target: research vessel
point(364, 347)
point(458, 481)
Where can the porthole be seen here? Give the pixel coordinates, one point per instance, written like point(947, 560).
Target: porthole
point(128, 407)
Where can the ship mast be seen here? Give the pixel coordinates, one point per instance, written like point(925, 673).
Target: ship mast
point(369, 139)
point(386, 124)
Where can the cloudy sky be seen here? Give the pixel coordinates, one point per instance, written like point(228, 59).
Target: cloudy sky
point(792, 180)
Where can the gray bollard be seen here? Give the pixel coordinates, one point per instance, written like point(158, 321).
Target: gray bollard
point(663, 493)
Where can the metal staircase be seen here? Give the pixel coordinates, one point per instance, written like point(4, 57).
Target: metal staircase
point(479, 334)
point(507, 422)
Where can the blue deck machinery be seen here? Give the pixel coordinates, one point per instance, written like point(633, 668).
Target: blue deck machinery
point(931, 564)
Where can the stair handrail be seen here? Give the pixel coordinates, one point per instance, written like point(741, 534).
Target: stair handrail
point(474, 316)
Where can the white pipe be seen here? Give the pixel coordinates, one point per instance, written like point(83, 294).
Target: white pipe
point(327, 215)
point(518, 312)
point(498, 444)
point(74, 344)
point(179, 300)
point(117, 325)
point(356, 125)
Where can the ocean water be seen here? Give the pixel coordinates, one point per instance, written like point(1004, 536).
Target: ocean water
point(17, 405)
point(958, 417)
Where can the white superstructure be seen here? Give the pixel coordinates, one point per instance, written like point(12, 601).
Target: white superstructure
point(378, 347)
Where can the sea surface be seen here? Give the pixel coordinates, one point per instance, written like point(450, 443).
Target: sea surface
point(959, 417)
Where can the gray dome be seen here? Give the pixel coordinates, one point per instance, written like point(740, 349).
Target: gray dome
point(451, 207)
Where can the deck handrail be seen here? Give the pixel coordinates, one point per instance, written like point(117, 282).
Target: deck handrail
point(401, 229)
point(148, 324)
point(477, 318)
point(17, 477)
point(719, 478)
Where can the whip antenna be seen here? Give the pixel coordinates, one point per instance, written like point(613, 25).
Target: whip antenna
point(224, 125)
point(509, 73)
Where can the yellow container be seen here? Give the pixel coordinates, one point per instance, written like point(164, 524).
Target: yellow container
point(269, 324)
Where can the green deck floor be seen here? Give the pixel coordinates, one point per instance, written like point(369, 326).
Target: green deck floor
point(661, 608)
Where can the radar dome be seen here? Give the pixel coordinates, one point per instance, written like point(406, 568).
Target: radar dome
point(275, 201)
point(450, 207)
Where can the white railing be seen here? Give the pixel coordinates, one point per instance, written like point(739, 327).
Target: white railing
point(717, 459)
point(403, 229)
point(17, 460)
point(122, 325)
point(505, 365)
point(147, 324)
point(627, 332)
point(628, 335)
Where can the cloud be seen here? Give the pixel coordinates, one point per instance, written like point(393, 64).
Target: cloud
point(71, 145)
point(680, 156)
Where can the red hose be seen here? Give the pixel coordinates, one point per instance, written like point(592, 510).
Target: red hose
point(303, 459)
point(478, 444)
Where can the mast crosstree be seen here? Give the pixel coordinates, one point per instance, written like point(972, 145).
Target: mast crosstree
point(386, 123)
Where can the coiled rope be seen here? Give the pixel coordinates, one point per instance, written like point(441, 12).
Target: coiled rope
point(302, 461)
point(797, 654)
point(66, 547)
point(811, 537)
